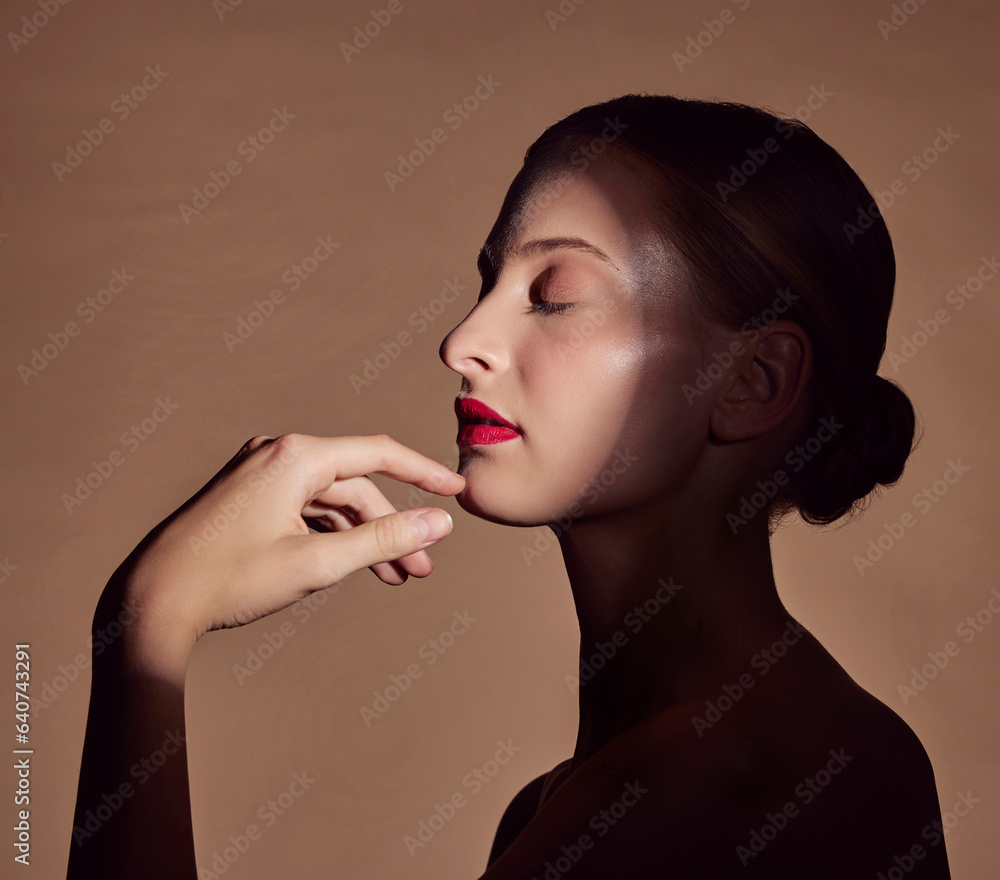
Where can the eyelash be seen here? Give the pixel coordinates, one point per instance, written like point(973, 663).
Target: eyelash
point(544, 307)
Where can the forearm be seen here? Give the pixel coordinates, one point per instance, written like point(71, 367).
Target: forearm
point(133, 810)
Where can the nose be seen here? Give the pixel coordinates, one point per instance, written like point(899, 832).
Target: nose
point(478, 344)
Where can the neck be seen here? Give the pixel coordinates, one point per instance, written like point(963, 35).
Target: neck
point(670, 608)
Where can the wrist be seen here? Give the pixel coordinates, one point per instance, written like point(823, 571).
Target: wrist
point(137, 632)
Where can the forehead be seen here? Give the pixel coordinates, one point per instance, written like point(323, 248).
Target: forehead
point(607, 211)
point(600, 210)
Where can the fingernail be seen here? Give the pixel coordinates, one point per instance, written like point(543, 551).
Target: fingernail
point(433, 524)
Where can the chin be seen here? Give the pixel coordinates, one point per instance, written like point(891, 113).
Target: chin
point(470, 503)
point(501, 501)
point(479, 501)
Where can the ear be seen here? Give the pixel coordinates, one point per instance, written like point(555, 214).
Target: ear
point(764, 384)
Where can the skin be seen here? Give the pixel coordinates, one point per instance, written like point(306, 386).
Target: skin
point(171, 590)
point(579, 397)
point(620, 389)
point(586, 385)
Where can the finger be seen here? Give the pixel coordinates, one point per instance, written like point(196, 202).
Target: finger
point(334, 521)
point(337, 458)
point(355, 500)
point(326, 559)
point(357, 496)
point(393, 573)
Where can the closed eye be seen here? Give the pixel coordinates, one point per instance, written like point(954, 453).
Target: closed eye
point(544, 307)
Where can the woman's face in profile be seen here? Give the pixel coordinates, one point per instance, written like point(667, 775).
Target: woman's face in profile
point(582, 338)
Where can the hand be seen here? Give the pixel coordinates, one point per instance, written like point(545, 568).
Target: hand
point(242, 547)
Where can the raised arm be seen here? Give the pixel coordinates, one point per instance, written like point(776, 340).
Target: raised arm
point(133, 811)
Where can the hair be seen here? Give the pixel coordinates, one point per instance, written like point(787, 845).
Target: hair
point(758, 204)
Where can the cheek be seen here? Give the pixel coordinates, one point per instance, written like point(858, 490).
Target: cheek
point(606, 424)
point(588, 413)
point(622, 428)
point(590, 389)
point(576, 401)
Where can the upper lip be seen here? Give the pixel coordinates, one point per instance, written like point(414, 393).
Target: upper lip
point(468, 409)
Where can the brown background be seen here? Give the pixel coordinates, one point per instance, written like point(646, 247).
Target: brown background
point(323, 175)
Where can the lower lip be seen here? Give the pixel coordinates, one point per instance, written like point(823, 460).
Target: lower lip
point(484, 435)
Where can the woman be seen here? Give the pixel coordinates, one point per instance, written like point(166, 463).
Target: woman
point(680, 294)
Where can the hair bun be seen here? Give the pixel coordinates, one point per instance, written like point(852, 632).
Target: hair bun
point(881, 437)
point(873, 451)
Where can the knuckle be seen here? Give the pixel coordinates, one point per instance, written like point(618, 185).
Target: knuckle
point(287, 447)
point(388, 535)
point(387, 447)
point(254, 443)
point(289, 441)
point(274, 455)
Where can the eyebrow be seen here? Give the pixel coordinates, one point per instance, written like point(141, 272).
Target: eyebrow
point(490, 261)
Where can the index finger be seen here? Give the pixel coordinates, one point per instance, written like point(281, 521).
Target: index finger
point(335, 458)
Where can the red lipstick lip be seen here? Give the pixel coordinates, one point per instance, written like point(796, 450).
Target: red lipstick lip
point(468, 410)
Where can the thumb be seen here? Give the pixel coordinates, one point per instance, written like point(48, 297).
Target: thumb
point(337, 554)
point(400, 534)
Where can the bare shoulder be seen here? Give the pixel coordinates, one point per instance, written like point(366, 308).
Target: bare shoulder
point(518, 814)
point(802, 774)
point(806, 769)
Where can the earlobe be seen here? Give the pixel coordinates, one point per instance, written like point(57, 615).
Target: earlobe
point(764, 385)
